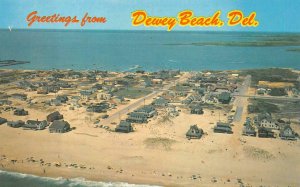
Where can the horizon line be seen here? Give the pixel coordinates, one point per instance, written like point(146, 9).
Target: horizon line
point(146, 30)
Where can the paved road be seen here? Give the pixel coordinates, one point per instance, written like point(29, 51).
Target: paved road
point(115, 117)
point(241, 101)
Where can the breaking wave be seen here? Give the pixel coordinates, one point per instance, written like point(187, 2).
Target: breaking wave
point(14, 179)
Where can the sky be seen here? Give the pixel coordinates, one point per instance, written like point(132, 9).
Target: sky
point(273, 15)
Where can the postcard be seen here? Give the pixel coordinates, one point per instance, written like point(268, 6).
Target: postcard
point(149, 93)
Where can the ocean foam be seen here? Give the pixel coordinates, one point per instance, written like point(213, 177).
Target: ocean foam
point(14, 179)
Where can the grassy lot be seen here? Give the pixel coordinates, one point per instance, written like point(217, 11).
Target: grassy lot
point(281, 108)
point(271, 75)
point(132, 93)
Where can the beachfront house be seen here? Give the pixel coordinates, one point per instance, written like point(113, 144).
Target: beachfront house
point(194, 132)
point(59, 126)
point(249, 130)
point(265, 133)
point(223, 128)
point(265, 120)
point(261, 116)
point(137, 117)
point(149, 110)
point(2, 120)
point(287, 133)
point(270, 124)
point(20, 112)
point(15, 124)
point(35, 125)
point(124, 127)
point(54, 116)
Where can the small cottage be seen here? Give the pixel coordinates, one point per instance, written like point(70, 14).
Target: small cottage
point(249, 130)
point(59, 126)
point(2, 120)
point(15, 124)
point(287, 133)
point(54, 116)
point(223, 128)
point(137, 117)
point(148, 110)
point(35, 125)
point(124, 127)
point(196, 109)
point(194, 132)
point(265, 133)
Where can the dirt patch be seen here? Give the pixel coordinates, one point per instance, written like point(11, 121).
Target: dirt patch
point(257, 153)
point(159, 143)
point(275, 84)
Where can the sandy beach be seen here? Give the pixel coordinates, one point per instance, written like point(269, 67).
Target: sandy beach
point(168, 159)
point(156, 153)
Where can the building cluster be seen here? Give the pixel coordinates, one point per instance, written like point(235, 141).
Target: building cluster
point(265, 126)
point(54, 122)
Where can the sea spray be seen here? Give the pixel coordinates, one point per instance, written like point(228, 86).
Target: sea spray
point(14, 179)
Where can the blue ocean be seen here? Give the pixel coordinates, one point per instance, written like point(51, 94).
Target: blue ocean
point(148, 50)
point(13, 179)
